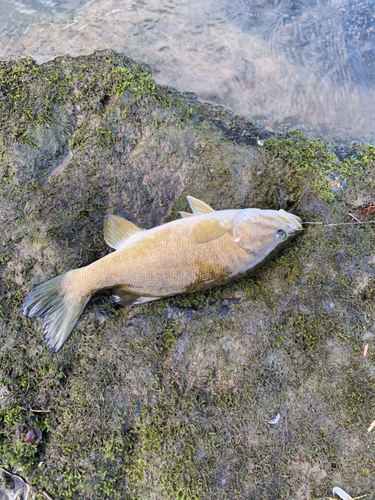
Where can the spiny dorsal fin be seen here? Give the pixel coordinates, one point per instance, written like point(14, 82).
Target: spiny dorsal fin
point(186, 214)
point(199, 207)
point(209, 229)
point(117, 230)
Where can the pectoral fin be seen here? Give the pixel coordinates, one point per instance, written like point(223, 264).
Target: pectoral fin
point(208, 230)
point(186, 214)
point(117, 230)
point(199, 207)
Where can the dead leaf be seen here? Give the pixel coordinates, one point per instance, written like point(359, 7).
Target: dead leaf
point(367, 211)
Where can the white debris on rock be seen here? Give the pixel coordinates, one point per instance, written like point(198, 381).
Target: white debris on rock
point(274, 420)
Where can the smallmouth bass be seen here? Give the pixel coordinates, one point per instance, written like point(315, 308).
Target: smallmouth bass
point(202, 250)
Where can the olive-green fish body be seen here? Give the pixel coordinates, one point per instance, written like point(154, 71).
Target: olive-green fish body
point(167, 260)
point(199, 251)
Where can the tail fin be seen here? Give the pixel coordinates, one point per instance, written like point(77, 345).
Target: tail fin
point(58, 314)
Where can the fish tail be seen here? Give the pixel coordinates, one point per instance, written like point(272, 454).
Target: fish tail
point(59, 305)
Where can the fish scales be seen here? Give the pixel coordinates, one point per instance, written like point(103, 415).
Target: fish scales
point(165, 262)
point(202, 250)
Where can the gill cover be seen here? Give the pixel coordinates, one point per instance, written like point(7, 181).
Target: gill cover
point(244, 231)
point(264, 229)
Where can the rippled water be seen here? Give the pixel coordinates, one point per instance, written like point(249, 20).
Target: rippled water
point(287, 64)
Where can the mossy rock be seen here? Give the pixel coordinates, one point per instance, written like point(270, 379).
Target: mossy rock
point(170, 400)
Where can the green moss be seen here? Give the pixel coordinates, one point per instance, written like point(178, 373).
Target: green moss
point(14, 421)
point(144, 406)
point(295, 163)
point(181, 474)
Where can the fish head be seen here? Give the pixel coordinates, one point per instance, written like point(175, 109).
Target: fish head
point(264, 232)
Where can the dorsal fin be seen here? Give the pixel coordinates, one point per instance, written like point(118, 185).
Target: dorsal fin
point(186, 214)
point(117, 230)
point(198, 207)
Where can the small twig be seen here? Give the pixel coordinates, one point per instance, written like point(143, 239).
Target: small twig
point(278, 197)
point(28, 384)
point(372, 425)
point(365, 350)
point(29, 486)
point(35, 411)
point(355, 218)
point(300, 199)
point(341, 223)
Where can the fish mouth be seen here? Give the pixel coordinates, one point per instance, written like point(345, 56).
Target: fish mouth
point(293, 220)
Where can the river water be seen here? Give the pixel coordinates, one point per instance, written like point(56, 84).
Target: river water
point(285, 63)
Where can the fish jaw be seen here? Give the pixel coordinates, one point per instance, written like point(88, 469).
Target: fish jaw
point(294, 221)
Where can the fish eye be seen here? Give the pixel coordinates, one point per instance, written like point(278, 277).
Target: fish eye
point(280, 234)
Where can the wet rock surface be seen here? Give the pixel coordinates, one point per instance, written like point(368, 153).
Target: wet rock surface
point(172, 399)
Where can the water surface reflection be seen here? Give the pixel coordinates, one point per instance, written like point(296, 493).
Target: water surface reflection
point(284, 63)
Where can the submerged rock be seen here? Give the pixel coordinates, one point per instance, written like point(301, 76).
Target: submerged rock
point(171, 399)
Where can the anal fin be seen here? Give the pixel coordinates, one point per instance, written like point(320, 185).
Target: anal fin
point(121, 297)
point(143, 300)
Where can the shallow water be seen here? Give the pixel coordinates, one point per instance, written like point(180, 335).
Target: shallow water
point(287, 64)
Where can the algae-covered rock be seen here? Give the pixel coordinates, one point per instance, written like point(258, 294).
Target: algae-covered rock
point(171, 399)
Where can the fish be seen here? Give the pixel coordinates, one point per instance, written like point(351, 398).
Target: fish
point(204, 249)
